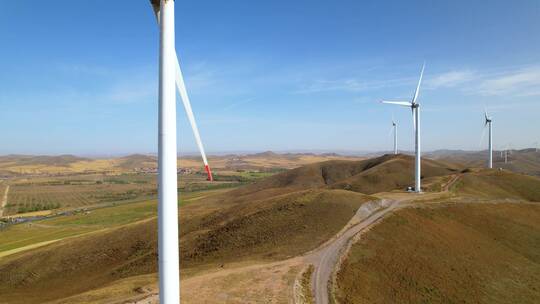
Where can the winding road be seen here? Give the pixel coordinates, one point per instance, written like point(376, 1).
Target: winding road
point(326, 258)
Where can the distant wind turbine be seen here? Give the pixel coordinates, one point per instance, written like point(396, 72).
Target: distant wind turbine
point(180, 85)
point(393, 131)
point(507, 152)
point(487, 123)
point(415, 108)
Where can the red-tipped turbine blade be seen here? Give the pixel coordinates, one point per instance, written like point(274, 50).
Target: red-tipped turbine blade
point(209, 172)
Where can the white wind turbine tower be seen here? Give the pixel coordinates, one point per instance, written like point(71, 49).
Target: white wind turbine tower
point(415, 107)
point(169, 76)
point(168, 252)
point(180, 85)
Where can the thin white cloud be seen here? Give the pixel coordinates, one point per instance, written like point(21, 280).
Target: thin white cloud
point(451, 79)
point(518, 82)
point(522, 82)
point(352, 85)
point(134, 92)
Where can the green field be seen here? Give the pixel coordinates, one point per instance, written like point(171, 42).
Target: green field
point(47, 193)
point(29, 234)
point(21, 235)
point(34, 197)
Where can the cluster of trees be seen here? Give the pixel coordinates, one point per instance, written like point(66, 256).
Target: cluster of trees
point(37, 207)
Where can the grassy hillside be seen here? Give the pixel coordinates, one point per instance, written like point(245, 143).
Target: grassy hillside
point(78, 264)
point(275, 228)
point(482, 253)
point(60, 160)
point(134, 161)
point(495, 184)
point(370, 176)
point(211, 234)
point(391, 172)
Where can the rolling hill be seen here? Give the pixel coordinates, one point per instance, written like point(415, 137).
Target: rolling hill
point(212, 234)
point(384, 173)
point(15, 165)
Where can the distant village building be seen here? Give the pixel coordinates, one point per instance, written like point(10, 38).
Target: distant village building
point(184, 171)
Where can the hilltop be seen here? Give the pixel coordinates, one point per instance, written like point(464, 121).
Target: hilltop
point(384, 173)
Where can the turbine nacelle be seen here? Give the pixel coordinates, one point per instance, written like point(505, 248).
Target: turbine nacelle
point(487, 117)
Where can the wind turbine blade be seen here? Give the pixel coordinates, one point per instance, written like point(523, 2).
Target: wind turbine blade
point(180, 85)
point(187, 106)
point(482, 137)
point(399, 103)
point(391, 131)
point(417, 91)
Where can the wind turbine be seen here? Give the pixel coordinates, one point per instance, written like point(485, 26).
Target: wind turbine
point(180, 85)
point(394, 131)
point(507, 152)
point(168, 252)
point(415, 108)
point(487, 123)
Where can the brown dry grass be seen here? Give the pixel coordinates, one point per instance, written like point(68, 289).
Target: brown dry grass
point(494, 184)
point(212, 234)
point(478, 253)
point(370, 176)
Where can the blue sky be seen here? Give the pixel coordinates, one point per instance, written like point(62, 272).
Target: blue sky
point(81, 76)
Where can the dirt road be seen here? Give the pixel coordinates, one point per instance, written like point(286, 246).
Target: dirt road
point(325, 258)
point(450, 183)
point(4, 201)
point(274, 282)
